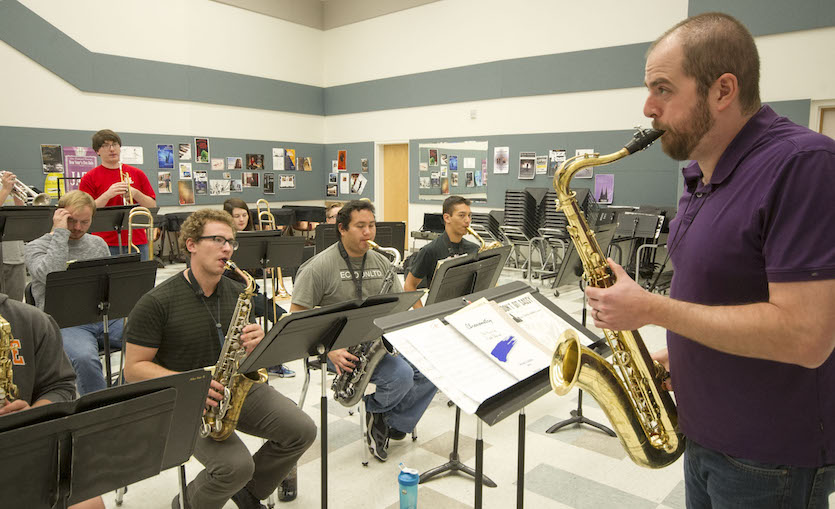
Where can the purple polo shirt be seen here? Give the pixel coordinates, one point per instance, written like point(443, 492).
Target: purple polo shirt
point(767, 216)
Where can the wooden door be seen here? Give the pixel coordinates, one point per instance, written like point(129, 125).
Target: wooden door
point(396, 184)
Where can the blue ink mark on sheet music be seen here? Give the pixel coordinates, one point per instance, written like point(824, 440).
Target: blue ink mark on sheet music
point(503, 348)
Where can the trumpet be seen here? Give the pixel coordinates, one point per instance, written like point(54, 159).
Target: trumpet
point(28, 195)
point(134, 214)
point(125, 177)
point(266, 221)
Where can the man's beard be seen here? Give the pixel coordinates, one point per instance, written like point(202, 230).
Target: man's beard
point(679, 143)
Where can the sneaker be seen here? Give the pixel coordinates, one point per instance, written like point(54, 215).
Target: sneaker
point(396, 434)
point(282, 371)
point(377, 436)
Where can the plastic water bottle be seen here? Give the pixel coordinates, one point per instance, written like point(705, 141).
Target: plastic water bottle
point(408, 480)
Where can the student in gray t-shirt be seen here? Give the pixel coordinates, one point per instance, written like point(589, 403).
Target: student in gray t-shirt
point(403, 393)
point(68, 241)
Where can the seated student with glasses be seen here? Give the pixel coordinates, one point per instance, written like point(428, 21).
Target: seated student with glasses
point(239, 211)
point(331, 212)
point(180, 325)
point(67, 241)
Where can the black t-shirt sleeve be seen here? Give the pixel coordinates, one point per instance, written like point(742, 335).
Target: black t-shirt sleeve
point(422, 264)
point(146, 322)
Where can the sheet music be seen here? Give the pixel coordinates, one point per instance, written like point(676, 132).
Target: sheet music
point(496, 334)
point(457, 367)
point(540, 323)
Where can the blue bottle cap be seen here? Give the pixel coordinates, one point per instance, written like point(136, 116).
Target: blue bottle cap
point(408, 477)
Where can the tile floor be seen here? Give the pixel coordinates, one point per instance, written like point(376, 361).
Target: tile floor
point(578, 467)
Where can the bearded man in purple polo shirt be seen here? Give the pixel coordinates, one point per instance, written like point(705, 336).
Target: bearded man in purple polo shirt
point(751, 312)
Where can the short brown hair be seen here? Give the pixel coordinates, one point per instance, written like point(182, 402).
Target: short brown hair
point(103, 136)
point(192, 227)
point(76, 199)
point(452, 201)
point(715, 43)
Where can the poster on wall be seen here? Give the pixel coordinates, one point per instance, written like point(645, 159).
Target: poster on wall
point(290, 159)
point(52, 159)
point(501, 155)
point(585, 173)
point(453, 179)
point(425, 183)
point(334, 166)
point(359, 185)
point(478, 178)
point(331, 190)
point(132, 155)
point(77, 162)
point(444, 159)
point(234, 163)
point(469, 163)
point(433, 157)
point(604, 188)
point(250, 179)
point(333, 178)
point(287, 182)
point(555, 158)
point(278, 159)
point(185, 151)
point(269, 183)
point(444, 171)
point(344, 183)
point(185, 171)
point(453, 163)
point(219, 187)
point(217, 164)
point(354, 185)
point(307, 165)
point(255, 161)
point(201, 182)
point(51, 184)
point(236, 186)
point(527, 164)
point(424, 167)
point(186, 190)
point(364, 165)
point(469, 179)
point(342, 160)
point(436, 179)
point(541, 165)
point(165, 157)
point(164, 182)
point(201, 150)
point(444, 185)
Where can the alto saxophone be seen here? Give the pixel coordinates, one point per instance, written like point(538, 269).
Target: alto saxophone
point(8, 390)
point(483, 246)
point(219, 422)
point(348, 388)
point(629, 390)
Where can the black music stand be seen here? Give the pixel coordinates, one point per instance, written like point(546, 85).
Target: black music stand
point(98, 289)
point(316, 332)
point(19, 222)
point(65, 453)
point(508, 401)
point(457, 277)
point(265, 250)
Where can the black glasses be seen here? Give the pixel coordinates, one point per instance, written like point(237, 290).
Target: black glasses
point(220, 240)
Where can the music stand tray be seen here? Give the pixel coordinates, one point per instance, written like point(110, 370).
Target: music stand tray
point(64, 453)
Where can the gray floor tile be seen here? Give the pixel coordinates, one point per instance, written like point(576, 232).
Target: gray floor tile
point(675, 500)
point(442, 446)
point(340, 434)
point(427, 497)
point(580, 492)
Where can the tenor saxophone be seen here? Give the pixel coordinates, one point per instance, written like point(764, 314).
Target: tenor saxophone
point(348, 388)
point(629, 389)
point(219, 422)
point(8, 390)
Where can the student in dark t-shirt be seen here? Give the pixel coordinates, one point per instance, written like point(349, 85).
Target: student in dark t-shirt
point(457, 217)
point(180, 325)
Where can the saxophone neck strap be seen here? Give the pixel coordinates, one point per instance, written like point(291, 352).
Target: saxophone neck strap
point(356, 280)
point(202, 297)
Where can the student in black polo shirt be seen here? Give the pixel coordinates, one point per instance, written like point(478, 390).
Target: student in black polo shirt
point(457, 217)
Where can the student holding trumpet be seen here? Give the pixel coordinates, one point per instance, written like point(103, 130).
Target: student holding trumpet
point(113, 183)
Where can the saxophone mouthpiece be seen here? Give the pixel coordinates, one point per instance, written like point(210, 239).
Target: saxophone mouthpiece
point(642, 139)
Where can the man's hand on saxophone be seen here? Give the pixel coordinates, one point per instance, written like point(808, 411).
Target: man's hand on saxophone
point(251, 335)
point(622, 306)
point(343, 360)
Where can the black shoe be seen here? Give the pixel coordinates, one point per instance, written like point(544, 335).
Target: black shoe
point(396, 435)
point(246, 500)
point(377, 435)
point(288, 488)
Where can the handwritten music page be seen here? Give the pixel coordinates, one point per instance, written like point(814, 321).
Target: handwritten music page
point(496, 334)
point(457, 367)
